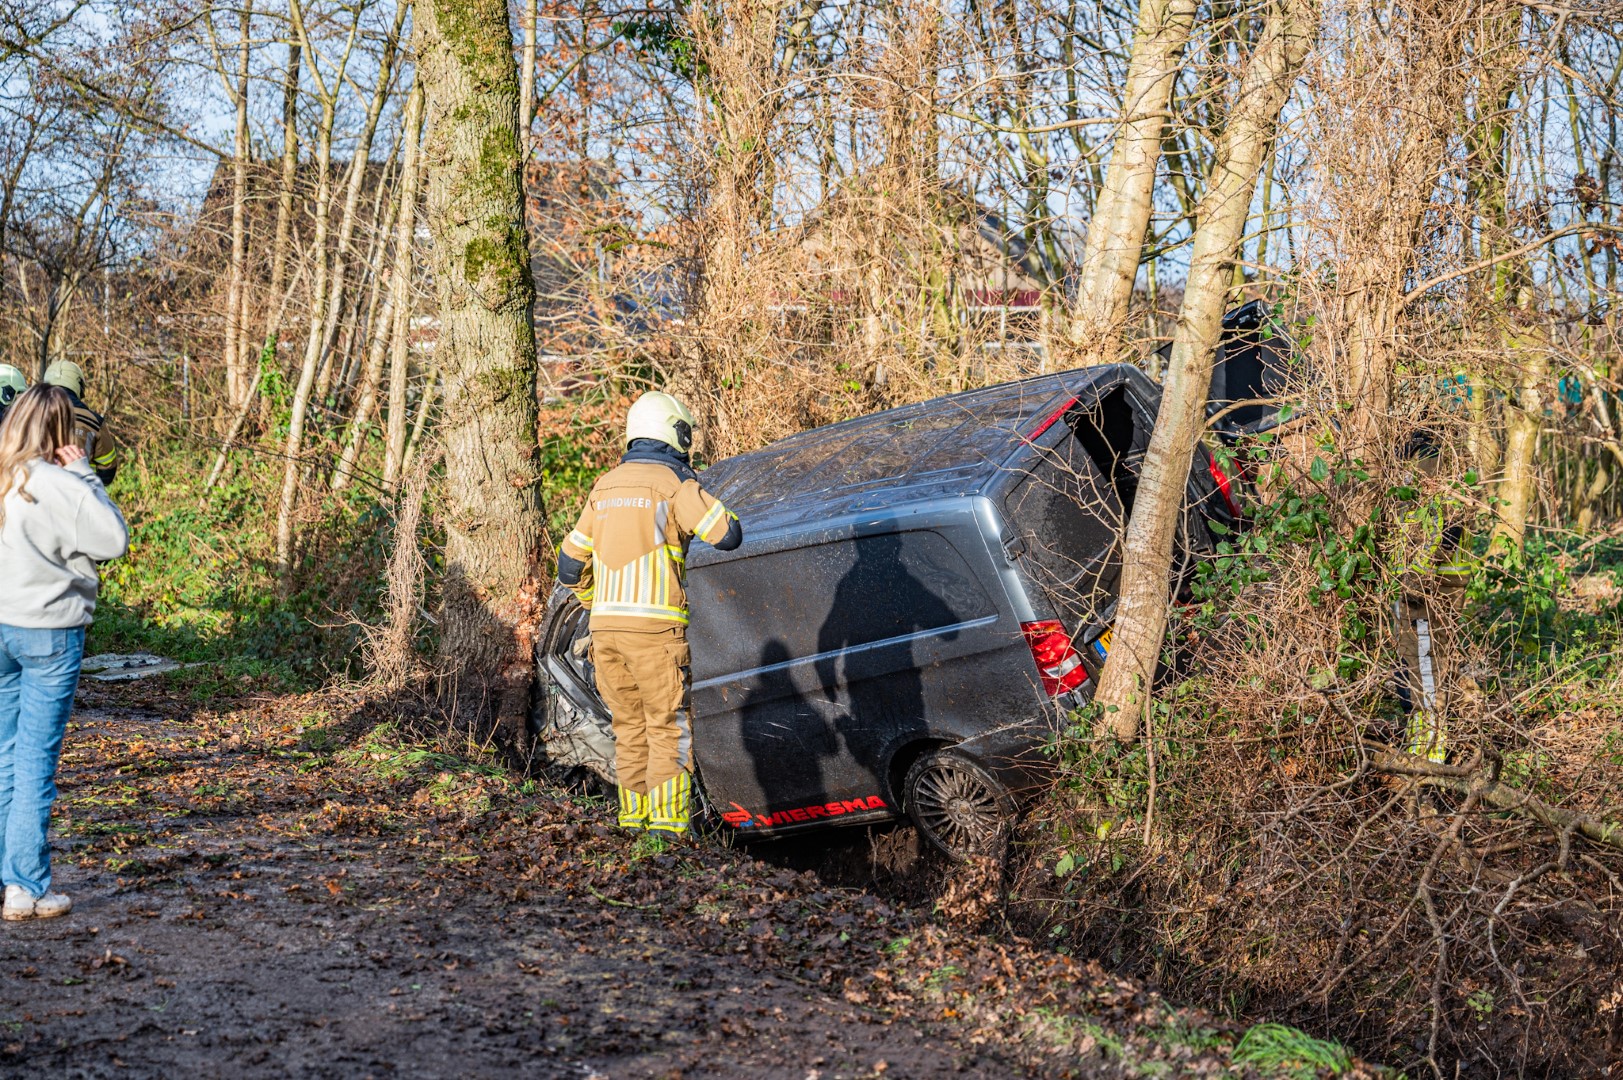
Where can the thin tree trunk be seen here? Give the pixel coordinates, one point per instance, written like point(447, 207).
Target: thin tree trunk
point(366, 400)
point(1405, 63)
point(1128, 678)
point(355, 185)
point(526, 80)
point(486, 349)
point(377, 247)
point(284, 197)
point(232, 435)
point(400, 289)
point(318, 300)
point(1523, 419)
point(375, 308)
point(236, 302)
point(1508, 284)
point(425, 409)
point(1115, 239)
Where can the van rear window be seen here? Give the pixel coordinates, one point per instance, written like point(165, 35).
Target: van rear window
point(829, 597)
point(1069, 512)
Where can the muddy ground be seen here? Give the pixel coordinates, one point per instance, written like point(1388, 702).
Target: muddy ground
point(293, 886)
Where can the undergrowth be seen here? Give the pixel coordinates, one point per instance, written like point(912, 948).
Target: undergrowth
point(199, 584)
point(1248, 853)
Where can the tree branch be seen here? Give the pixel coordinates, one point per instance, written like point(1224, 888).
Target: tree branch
point(1500, 796)
point(1515, 253)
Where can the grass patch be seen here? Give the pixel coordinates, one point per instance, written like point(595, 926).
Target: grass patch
point(1283, 1051)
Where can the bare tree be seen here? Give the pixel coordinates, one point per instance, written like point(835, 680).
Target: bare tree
point(327, 91)
point(1121, 217)
point(394, 453)
point(236, 350)
point(1147, 549)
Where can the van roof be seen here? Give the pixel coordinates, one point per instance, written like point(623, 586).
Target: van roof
point(952, 445)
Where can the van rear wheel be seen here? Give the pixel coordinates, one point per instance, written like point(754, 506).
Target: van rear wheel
point(958, 806)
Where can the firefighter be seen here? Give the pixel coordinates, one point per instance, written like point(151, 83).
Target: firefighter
point(89, 429)
point(12, 383)
point(625, 561)
point(1438, 566)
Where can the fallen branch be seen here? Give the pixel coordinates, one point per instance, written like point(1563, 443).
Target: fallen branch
point(621, 903)
point(1498, 795)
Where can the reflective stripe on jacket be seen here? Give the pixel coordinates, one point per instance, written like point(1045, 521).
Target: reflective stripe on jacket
point(1437, 548)
point(633, 536)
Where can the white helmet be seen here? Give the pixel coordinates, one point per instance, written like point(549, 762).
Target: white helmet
point(660, 416)
point(12, 383)
point(66, 374)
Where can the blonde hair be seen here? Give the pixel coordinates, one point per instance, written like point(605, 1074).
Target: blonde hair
point(39, 422)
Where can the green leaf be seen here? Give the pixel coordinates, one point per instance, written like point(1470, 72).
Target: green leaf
point(1319, 471)
point(1066, 864)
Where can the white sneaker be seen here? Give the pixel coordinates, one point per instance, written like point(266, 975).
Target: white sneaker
point(20, 904)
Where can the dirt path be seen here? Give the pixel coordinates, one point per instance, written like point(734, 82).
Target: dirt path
point(292, 888)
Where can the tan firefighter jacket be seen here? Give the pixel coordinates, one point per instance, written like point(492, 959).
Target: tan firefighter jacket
point(633, 536)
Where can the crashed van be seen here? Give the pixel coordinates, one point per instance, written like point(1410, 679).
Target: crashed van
point(921, 596)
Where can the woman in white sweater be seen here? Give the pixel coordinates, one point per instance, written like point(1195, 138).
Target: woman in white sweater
point(56, 524)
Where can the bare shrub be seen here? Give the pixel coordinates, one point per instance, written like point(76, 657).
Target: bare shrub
point(1270, 845)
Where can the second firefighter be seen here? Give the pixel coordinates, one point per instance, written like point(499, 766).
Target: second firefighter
point(625, 561)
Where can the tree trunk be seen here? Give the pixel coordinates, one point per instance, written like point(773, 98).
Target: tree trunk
point(1528, 349)
point(377, 312)
point(419, 423)
point(401, 294)
point(526, 80)
point(742, 94)
point(318, 300)
point(1405, 64)
point(377, 352)
point(1128, 678)
point(236, 301)
point(1508, 285)
point(1115, 239)
point(284, 196)
point(486, 349)
point(356, 184)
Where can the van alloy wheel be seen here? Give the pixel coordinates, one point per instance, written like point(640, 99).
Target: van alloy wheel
point(957, 805)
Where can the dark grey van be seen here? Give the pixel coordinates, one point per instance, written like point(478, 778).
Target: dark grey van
point(920, 596)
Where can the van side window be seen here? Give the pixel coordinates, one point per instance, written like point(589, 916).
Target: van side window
point(835, 596)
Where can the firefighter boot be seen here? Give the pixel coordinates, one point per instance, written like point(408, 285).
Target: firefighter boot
point(633, 810)
point(668, 806)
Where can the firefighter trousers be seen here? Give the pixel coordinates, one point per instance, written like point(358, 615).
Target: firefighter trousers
point(643, 678)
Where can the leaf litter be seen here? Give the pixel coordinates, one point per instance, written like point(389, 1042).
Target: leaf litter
point(297, 884)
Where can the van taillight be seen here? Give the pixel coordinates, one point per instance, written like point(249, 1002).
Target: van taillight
point(1057, 659)
point(1224, 487)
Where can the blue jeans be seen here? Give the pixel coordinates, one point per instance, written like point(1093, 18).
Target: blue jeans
point(39, 670)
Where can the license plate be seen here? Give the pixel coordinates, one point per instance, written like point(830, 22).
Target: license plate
point(1101, 644)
